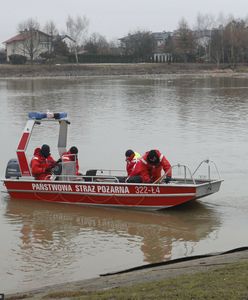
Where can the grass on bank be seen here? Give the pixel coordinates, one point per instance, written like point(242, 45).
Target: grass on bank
point(229, 282)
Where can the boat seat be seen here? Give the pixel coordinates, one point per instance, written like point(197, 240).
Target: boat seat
point(65, 171)
point(90, 173)
point(121, 179)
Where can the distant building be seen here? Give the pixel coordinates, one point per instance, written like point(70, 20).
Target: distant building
point(203, 37)
point(70, 42)
point(29, 44)
point(159, 55)
point(161, 38)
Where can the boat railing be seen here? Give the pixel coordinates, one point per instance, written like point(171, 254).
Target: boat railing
point(66, 171)
point(88, 178)
point(68, 168)
point(183, 174)
point(179, 172)
point(210, 171)
point(100, 178)
point(108, 172)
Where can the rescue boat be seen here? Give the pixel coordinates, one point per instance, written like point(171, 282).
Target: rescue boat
point(99, 187)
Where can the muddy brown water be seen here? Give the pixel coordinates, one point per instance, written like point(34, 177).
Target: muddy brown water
point(189, 118)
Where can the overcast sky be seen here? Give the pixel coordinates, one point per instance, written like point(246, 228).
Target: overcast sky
point(115, 18)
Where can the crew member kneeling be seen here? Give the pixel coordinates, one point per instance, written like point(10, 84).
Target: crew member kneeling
point(148, 168)
point(42, 163)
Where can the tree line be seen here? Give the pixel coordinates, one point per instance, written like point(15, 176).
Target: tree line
point(222, 40)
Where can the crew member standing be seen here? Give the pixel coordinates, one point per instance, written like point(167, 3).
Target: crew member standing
point(42, 163)
point(72, 155)
point(148, 169)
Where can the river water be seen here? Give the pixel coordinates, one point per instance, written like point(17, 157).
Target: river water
point(189, 118)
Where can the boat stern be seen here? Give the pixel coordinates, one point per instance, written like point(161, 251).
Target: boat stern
point(207, 188)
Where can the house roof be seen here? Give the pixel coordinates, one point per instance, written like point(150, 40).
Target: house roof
point(158, 36)
point(16, 38)
point(22, 36)
point(65, 36)
point(161, 35)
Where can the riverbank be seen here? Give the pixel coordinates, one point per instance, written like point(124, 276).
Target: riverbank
point(70, 70)
point(222, 276)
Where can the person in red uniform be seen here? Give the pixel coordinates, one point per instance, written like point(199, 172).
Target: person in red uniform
point(148, 168)
point(42, 163)
point(72, 155)
point(131, 160)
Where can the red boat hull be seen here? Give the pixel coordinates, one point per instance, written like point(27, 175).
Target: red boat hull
point(151, 197)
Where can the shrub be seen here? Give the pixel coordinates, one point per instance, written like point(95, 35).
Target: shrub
point(3, 57)
point(17, 59)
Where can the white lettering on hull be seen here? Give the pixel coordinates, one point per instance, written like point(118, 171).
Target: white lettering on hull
point(85, 188)
point(109, 189)
point(80, 188)
point(51, 187)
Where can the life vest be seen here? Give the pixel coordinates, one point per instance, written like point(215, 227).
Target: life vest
point(131, 162)
point(69, 157)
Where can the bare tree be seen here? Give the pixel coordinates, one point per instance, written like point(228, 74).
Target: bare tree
point(31, 41)
point(29, 24)
point(114, 47)
point(204, 26)
point(185, 41)
point(77, 29)
point(97, 44)
point(235, 39)
point(50, 28)
point(220, 24)
point(139, 44)
point(216, 44)
point(204, 21)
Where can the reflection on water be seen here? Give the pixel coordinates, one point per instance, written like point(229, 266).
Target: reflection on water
point(189, 118)
point(42, 223)
point(52, 238)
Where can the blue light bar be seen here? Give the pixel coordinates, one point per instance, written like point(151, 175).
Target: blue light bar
point(39, 115)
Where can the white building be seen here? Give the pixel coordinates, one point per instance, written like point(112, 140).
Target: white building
point(29, 44)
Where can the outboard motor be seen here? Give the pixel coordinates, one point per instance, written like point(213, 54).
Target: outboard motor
point(13, 169)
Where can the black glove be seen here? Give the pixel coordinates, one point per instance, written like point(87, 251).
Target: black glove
point(57, 169)
point(167, 179)
point(48, 170)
